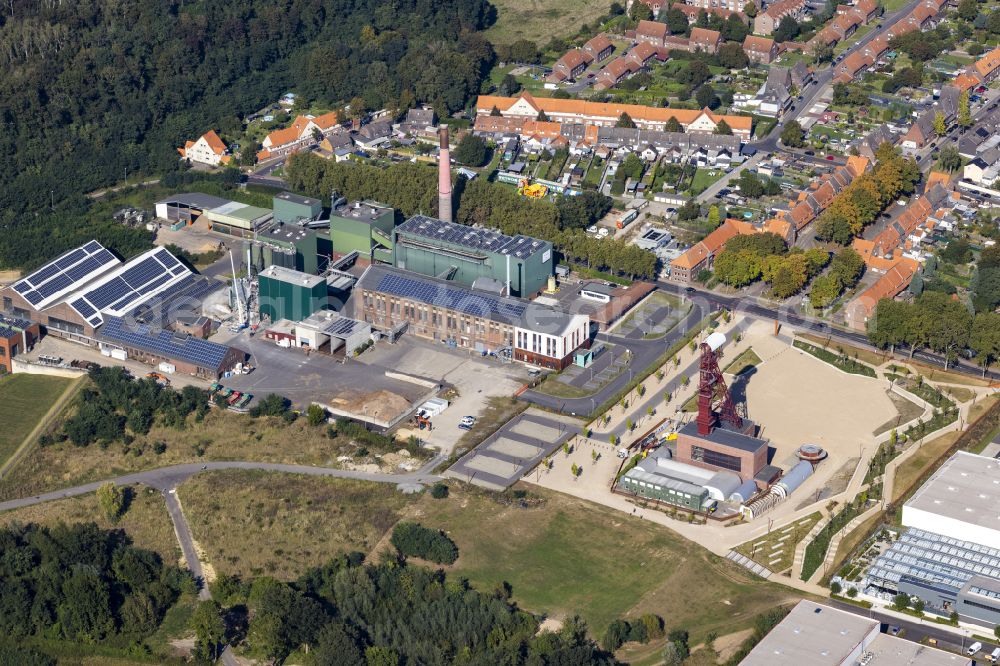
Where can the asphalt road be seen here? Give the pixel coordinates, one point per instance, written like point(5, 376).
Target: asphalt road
point(915, 631)
point(167, 478)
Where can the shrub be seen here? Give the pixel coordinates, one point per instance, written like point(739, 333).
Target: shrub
point(415, 540)
point(439, 491)
point(615, 635)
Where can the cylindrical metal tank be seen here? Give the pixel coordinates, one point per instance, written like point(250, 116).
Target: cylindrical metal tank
point(794, 478)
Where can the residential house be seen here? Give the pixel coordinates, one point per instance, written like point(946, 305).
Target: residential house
point(675, 42)
point(208, 149)
point(702, 39)
point(775, 95)
point(692, 12)
point(760, 49)
point(848, 68)
point(922, 130)
point(615, 72)
point(981, 72)
point(334, 142)
point(572, 111)
point(651, 32)
point(599, 47)
point(867, 145)
point(801, 75)
point(373, 135)
point(641, 54)
point(766, 21)
point(700, 256)
point(419, 121)
point(896, 279)
point(570, 65)
point(304, 132)
point(654, 5)
point(730, 5)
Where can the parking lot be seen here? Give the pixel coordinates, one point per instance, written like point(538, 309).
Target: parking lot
point(475, 380)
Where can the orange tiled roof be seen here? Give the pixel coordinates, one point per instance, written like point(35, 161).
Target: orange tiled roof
point(938, 178)
point(704, 37)
point(965, 81)
point(214, 142)
point(598, 43)
point(759, 44)
point(889, 285)
point(988, 63)
point(857, 165)
point(607, 110)
point(696, 254)
point(652, 29)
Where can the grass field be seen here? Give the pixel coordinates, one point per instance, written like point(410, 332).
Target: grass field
point(561, 555)
point(25, 400)
point(541, 20)
point(863, 355)
point(146, 520)
point(221, 436)
point(906, 411)
point(911, 469)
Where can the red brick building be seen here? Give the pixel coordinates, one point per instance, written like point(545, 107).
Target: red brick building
point(16, 337)
point(724, 448)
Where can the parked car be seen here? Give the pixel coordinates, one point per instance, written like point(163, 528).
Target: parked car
point(974, 648)
point(467, 422)
point(829, 158)
point(592, 229)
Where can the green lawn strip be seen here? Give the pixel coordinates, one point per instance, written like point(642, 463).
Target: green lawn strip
point(844, 363)
point(25, 400)
point(748, 359)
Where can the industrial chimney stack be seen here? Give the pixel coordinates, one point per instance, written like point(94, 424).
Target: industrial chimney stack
point(444, 176)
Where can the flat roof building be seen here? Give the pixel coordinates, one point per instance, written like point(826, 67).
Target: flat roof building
point(289, 294)
point(960, 500)
point(461, 253)
point(820, 635)
point(288, 246)
point(237, 219)
point(724, 448)
point(186, 206)
point(16, 337)
point(459, 316)
point(364, 227)
point(295, 209)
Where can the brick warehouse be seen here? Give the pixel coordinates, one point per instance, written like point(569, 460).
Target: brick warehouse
point(467, 318)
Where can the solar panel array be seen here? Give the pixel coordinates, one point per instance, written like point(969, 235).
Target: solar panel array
point(163, 343)
point(133, 284)
point(64, 274)
point(476, 304)
point(488, 240)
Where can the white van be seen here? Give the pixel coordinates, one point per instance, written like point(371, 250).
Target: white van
point(974, 648)
point(992, 658)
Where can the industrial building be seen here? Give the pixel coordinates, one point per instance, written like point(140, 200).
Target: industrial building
point(949, 555)
point(16, 337)
point(291, 208)
point(389, 298)
point(363, 227)
point(324, 331)
point(238, 219)
point(820, 635)
point(289, 294)
point(286, 245)
point(464, 254)
point(78, 293)
point(186, 207)
point(719, 438)
point(658, 476)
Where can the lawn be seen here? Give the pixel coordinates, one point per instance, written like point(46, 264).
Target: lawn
point(297, 522)
point(223, 435)
point(25, 400)
point(541, 20)
point(146, 521)
point(777, 549)
point(704, 178)
point(748, 359)
point(569, 556)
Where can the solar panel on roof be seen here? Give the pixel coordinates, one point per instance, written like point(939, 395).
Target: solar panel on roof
point(55, 285)
point(143, 272)
point(107, 293)
point(43, 274)
point(83, 307)
point(92, 247)
point(33, 297)
point(95, 321)
point(167, 259)
point(83, 268)
point(104, 257)
point(70, 259)
point(163, 343)
point(22, 287)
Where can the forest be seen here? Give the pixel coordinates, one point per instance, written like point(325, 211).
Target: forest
point(355, 614)
point(93, 90)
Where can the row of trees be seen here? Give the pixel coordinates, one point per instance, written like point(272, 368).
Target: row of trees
point(937, 322)
point(351, 614)
point(860, 203)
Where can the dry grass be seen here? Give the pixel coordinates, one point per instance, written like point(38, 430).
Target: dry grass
point(222, 435)
point(906, 411)
point(25, 400)
point(540, 20)
point(146, 520)
point(959, 394)
point(252, 523)
point(946, 376)
point(910, 470)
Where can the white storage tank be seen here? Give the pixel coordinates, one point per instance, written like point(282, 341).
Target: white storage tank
point(168, 368)
point(119, 354)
